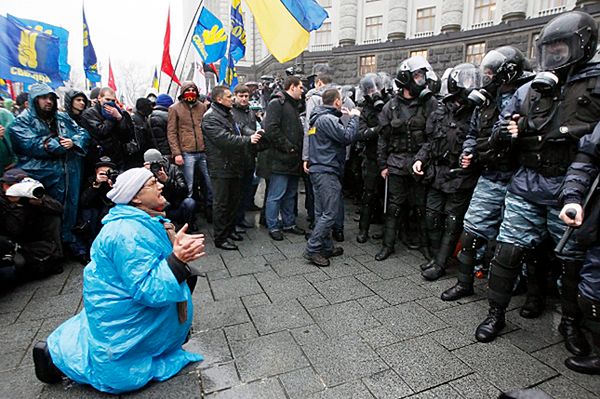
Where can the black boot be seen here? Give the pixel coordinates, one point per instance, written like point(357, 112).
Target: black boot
point(362, 236)
point(588, 364)
point(452, 228)
point(575, 341)
point(365, 221)
point(536, 282)
point(434, 232)
point(489, 329)
point(45, 370)
point(569, 326)
point(457, 291)
point(470, 243)
point(389, 233)
point(422, 234)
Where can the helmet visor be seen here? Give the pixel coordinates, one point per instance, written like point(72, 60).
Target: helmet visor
point(417, 62)
point(468, 79)
point(490, 65)
point(370, 84)
point(556, 54)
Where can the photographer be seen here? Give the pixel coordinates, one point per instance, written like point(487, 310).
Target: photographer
point(29, 228)
point(180, 208)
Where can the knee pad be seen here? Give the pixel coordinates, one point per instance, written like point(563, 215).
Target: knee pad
point(470, 243)
point(453, 224)
point(590, 309)
point(433, 219)
point(509, 256)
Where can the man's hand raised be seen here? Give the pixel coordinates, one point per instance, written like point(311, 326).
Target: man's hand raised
point(188, 247)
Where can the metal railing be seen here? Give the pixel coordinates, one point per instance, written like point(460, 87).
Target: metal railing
point(480, 25)
point(371, 41)
point(551, 11)
point(321, 47)
point(422, 34)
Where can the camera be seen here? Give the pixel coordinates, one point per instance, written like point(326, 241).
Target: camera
point(378, 102)
point(27, 188)
point(155, 167)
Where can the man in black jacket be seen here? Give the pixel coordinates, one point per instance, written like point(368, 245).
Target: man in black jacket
point(110, 128)
point(159, 119)
point(285, 134)
point(75, 103)
point(141, 130)
point(225, 149)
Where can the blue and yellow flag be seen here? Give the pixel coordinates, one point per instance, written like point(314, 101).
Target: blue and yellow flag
point(63, 41)
point(227, 72)
point(90, 62)
point(237, 38)
point(28, 55)
point(285, 25)
point(210, 39)
point(155, 80)
point(4, 90)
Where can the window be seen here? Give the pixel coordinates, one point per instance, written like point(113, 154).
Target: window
point(373, 27)
point(533, 48)
point(368, 64)
point(323, 34)
point(425, 20)
point(484, 11)
point(422, 53)
point(325, 3)
point(475, 52)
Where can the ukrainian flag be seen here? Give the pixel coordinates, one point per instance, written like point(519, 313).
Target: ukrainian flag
point(285, 25)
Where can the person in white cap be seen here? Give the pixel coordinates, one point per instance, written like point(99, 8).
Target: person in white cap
point(137, 299)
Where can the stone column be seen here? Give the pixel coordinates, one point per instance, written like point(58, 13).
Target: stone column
point(514, 10)
point(397, 17)
point(348, 22)
point(583, 3)
point(452, 15)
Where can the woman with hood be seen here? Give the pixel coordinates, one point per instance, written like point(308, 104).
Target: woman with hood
point(75, 103)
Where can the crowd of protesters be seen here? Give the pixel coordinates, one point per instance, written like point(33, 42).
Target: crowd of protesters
point(467, 163)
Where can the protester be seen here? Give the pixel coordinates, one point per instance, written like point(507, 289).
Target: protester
point(159, 119)
point(8, 159)
point(141, 129)
point(94, 96)
point(137, 300)
point(186, 140)
point(50, 147)
point(226, 148)
point(22, 102)
point(75, 102)
point(284, 132)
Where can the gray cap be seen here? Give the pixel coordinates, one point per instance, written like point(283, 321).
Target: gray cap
point(153, 155)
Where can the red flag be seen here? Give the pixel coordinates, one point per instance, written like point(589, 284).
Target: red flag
point(166, 66)
point(111, 77)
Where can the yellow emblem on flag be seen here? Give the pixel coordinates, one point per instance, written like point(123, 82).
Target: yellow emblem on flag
point(312, 130)
point(27, 52)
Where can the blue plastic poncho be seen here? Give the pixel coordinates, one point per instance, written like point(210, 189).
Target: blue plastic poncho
point(43, 158)
point(128, 332)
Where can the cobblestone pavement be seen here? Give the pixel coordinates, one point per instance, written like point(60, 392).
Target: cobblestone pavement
point(270, 325)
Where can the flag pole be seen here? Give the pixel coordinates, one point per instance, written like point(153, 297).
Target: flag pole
point(192, 25)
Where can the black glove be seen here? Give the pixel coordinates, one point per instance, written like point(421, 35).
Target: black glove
point(501, 132)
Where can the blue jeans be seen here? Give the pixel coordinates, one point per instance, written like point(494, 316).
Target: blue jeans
point(328, 196)
point(281, 199)
point(190, 159)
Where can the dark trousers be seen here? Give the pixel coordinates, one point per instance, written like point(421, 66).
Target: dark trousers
point(247, 196)
point(328, 195)
point(226, 198)
point(184, 213)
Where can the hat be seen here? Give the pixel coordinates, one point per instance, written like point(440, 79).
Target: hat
point(153, 155)
point(105, 161)
point(94, 93)
point(128, 184)
point(13, 176)
point(164, 100)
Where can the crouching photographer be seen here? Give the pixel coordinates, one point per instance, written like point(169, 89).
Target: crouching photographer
point(30, 229)
point(180, 208)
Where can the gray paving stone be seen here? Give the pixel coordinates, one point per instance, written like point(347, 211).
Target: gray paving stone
point(235, 287)
point(308, 334)
point(290, 249)
point(247, 265)
point(284, 289)
point(219, 377)
point(267, 356)
point(264, 389)
point(208, 263)
point(518, 369)
point(202, 285)
point(218, 314)
point(423, 363)
point(74, 390)
point(279, 316)
point(379, 337)
point(20, 383)
point(443, 391)
point(343, 359)
point(372, 303)
point(11, 360)
point(351, 390)
point(343, 266)
point(562, 388)
point(342, 289)
point(342, 319)
point(183, 386)
point(8, 318)
point(435, 304)
point(534, 334)
point(255, 300)
point(42, 308)
point(292, 267)
point(18, 336)
point(257, 247)
point(387, 385)
point(301, 383)
point(451, 338)
point(316, 276)
point(367, 278)
point(241, 332)
point(313, 301)
point(398, 290)
point(210, 344)
point(474, 386)
point(467, 317)
point(215, 275)
point(389, 268)
point(408, 320)
point(555, 355)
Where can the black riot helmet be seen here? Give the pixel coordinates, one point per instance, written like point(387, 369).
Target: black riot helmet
point(503, 65)
point(370, 84)
point(412, 75)
point(569, 39)
point(463, 79)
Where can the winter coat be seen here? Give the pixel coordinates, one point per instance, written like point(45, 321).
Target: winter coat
point(225, 146)
point(43, 158)
point(7, 155)
point(284, 133)
point(158, 130)
point(175, 189)
point(128, 332)
point(184, 130)
point(245, 120)
point(68, 104)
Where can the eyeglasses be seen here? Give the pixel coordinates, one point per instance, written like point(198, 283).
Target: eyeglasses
point(152, 184)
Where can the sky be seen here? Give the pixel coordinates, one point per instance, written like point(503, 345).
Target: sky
point(127, 31)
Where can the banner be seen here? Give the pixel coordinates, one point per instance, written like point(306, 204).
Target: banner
point(237, 38)
point(228, 73)
point(210, 39)
point(90, 62)
point(155, 80)
point(63, 41)
point(199, 77)
point(111, 77)
point(167, 66)
point(28, 55)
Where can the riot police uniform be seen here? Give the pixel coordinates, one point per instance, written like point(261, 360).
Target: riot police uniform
point(545, 120)
point(451, 188)
point(403, 121)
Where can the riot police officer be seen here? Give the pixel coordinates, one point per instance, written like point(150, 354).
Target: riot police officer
point(374, 98)
point(438, 159)
point(501, 70)
point(403, 120)
point(545, 120)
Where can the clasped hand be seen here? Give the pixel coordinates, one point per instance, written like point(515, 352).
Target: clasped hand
point(188, 247)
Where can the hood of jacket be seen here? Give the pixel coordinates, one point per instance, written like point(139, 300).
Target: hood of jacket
point(40, 89)
point(143, 106)
point(323, 110)
point(70, 96)
point(186, 85)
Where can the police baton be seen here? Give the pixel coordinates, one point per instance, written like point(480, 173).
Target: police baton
point(571, 214)
point(385, 196)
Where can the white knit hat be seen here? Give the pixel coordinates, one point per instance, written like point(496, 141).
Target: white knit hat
point(128, 184)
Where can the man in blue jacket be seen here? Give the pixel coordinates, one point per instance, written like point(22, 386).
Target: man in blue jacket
point(328, 139)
